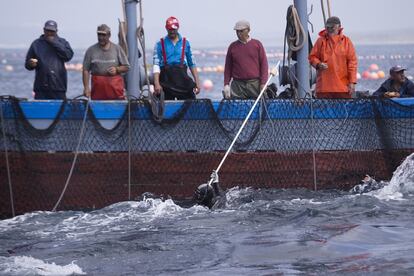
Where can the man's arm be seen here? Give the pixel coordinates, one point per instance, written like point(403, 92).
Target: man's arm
point(85, 81)
point(380, 91)
point(196, 78)
point(31, 61)
point(157, 85)
point(410, 90)
point(62, 47)
point(314, 56)
point(86, 73)
point(117, 70)
point(156, 70)
point(352, 62)
point(264, 66)
point(123, 66)
point(122, 69)
point(228, 67)
point(192, 65)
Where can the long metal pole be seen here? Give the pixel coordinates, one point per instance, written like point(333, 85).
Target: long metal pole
point(302, 56)
point(133, 75)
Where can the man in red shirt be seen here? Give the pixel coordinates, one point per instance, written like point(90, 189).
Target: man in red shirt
point(246, 65)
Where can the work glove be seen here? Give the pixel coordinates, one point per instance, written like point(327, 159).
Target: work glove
point(226, 92)
point(214, 176)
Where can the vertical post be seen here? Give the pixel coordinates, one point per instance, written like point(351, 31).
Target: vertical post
point(133, 75)
point(302, 72)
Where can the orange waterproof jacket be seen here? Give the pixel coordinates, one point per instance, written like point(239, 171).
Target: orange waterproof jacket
point(339, 53)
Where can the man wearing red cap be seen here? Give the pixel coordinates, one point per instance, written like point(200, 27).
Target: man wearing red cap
point(172, 56)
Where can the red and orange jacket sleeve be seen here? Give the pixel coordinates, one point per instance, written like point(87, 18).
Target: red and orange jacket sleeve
point(352, 62)
point(315, 53)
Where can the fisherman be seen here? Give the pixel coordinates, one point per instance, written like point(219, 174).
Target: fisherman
point(335, 60)
point(397, 85)
point(246, 65)
point(210, 195)
point(106, 62)
point(47, 55)
point(172, 55)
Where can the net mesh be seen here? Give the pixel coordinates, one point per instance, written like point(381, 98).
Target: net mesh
point(316, 144)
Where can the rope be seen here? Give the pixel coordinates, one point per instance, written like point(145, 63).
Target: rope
point(272, 74)
point(295, 40)
point(329, 7)
point(300, 85)
point(75, 157)
point(122, 32)
point(264, 103)
point(129, 150)
point(7, 159)
point(157, 106)
point(123, 9)
point(328, 4)
point(294, 30)
point(315, 184)
point(323, 11)
point(141, 40)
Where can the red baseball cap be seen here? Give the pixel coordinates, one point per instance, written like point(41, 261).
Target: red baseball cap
point(172, 23)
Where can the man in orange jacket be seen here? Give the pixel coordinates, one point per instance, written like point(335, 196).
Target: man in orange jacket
point(335, 60)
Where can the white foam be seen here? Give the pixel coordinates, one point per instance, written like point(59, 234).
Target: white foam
point(16, 221)
point(23, 265)
point(402, 182)
point(165, 208)
point(235, 193)
point(111, 217)
point(306, 201)
point(78, 225)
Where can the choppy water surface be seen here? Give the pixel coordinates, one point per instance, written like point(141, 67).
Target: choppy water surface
point(259, 232)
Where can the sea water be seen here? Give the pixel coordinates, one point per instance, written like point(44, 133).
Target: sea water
point(258, 232)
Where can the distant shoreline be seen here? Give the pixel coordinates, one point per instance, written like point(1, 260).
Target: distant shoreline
point(405, 43)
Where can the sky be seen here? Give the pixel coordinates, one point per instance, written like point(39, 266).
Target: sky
point(207, 23)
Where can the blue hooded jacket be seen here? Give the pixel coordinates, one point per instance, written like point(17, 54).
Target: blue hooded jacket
point(406, 89)
point(51, 73)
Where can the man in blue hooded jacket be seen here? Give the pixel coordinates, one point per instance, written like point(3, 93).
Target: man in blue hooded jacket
point(47, 55)
point(396, 86)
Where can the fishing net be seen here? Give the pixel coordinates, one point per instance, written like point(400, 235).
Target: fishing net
point(315, 144)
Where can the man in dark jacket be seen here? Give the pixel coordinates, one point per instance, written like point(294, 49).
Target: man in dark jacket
point(48, 55)
point(397, 85)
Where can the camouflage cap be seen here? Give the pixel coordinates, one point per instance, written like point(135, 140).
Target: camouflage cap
point(103, 29)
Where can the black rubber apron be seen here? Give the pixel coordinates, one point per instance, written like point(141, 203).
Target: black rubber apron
point(174, 79)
